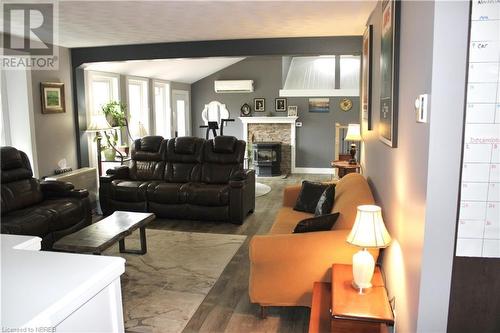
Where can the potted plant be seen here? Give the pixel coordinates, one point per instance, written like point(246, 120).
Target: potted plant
point(115, 113)
point(108, 150)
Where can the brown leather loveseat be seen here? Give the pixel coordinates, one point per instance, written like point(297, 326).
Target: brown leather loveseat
point(182, 178)
point(47, 209)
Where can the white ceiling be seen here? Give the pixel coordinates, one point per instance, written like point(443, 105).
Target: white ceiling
point(177, 70)
point(98, 23)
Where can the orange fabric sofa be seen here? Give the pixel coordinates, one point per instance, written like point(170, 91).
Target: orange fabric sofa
point(283, 265)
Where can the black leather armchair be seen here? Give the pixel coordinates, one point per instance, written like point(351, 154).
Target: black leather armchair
point(47, 209)
point(183, 178)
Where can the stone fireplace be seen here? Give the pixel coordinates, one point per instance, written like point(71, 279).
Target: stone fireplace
point(272, 129)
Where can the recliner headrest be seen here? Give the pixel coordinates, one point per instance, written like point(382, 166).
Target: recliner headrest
point(185, 145)
point(11, 158)
point(224, 144)
point(150, 143)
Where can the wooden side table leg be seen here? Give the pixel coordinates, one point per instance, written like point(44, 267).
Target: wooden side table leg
point(263, 314)
point(144, 248)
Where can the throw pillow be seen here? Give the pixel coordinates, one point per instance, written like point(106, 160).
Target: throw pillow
point(309, 196)
point(318, 223)
point(325, 202)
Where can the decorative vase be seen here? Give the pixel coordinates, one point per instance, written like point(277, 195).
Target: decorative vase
point(109, 154)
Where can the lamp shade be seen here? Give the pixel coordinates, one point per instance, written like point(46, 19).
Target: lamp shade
point(137, 128)
point(98, 123)
point(353, 133)
point(369, 230)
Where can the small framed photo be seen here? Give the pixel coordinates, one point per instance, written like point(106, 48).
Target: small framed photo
point(319, 105)
point(292, 111)
point(52, 97)
point(259, 104)
point(280, 104)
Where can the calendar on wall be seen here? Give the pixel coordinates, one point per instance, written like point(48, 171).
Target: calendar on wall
point(479, 212)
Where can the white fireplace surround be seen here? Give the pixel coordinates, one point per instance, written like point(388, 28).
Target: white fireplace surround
point(273, 120)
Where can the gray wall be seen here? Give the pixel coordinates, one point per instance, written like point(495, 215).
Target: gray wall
point(398, 176)
point(54, 133)
point(266, 71)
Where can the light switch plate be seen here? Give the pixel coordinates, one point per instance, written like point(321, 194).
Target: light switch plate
point(298, 124)
point(421, 108)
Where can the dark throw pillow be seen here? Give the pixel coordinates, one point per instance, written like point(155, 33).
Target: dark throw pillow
point(317, 223)
point(325, 202)
point(309, 196)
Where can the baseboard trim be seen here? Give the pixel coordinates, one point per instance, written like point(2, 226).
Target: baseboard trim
point(328, 171)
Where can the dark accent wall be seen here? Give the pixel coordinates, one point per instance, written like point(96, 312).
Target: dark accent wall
point(315, 139)
point(239, 47)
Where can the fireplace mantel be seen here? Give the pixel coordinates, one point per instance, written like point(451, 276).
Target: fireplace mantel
point(268, 120)
point(273, 120)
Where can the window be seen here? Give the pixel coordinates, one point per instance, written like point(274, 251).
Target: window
point(349, 71)
point(162, 109)
point(180, 105)
point(102, 88)
point(138, 107)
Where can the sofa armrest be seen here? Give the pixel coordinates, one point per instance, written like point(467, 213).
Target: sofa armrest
point(283, 267)
point(290, 195)
point(106, 179)
point(55, 186)
point(59, 189)
point(120, 172)
point(241, 178)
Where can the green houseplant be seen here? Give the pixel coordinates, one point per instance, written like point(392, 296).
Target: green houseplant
point(115, 113)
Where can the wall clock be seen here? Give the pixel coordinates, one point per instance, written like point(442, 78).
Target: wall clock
point(246, 110)
point(345, 104)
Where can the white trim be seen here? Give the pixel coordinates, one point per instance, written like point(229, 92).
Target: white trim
point(329, 171)
point(319, 92)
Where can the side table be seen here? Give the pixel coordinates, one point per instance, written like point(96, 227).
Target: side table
point(345, 168)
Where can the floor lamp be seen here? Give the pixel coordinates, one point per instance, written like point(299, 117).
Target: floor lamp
point(98, 124)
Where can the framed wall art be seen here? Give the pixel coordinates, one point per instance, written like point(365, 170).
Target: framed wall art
point(389, 63)
point(52, 97)
point(280, 104)
point(259, 104)
point(366, 80)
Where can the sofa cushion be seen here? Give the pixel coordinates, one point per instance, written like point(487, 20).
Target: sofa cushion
point(220, 164)
point(309, 195)
point(325, 202)
point(20, 194)
point(183, 158)
point(128, 190)
point(286, 220)
point(147, 158)
point(208, 194)
point(317, 223)
point(166, 193)
point(28, 221)
point(66, 212)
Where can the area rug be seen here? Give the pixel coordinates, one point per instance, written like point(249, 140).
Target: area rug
point(261, 189)
point(162, 289)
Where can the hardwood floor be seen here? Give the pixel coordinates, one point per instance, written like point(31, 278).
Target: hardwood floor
point(227, 307)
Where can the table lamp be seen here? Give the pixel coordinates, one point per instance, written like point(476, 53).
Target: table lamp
point(98, 124)
point(353, 134)
point(368, 232)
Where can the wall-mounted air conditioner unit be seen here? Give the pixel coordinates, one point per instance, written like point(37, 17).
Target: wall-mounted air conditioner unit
point(233, 86)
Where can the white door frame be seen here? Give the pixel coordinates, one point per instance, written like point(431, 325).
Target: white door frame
point(186, 97)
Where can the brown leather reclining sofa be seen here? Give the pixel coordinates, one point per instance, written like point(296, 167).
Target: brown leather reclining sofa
point(182, 178)
point(47, 209)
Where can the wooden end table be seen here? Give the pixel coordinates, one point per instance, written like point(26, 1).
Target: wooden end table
point(337, 307)
point(345, 168)
point(99, 236)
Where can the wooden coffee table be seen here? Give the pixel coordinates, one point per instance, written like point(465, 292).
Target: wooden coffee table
point(101, 235)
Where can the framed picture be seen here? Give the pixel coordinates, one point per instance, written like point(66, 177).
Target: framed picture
point(292, 111)
point(280, 104)
point(259, 104)
point(366, 80)
point(52, 97)
point(389, 63)
point(319, 105)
